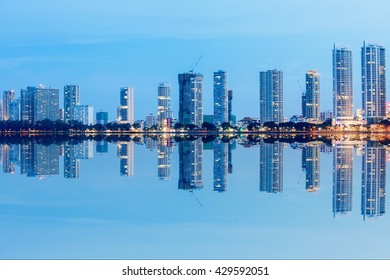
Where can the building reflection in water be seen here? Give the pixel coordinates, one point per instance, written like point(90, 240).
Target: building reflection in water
point(73, 153)
point(71, 162)
point(221, 165)
point(311, 165)
point(373, 180)
point(271, 167)
point(40, 160)
point(191, 164)
point(164, 159)
point(101, 147)
point(126, 157)
point(10, 157)
point(342, 177)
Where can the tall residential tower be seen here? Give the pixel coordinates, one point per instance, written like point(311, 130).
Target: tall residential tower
point(191, 98)
point(342, 85)
point(164, 106)
point(221, 113)
point(126, 107)
point(373, 83)
point(271, 96)
point(312, 96)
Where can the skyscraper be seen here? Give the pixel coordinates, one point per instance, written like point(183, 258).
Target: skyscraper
point(221, 113)
point(271, 96)
point(373, 83)
point(230, 102)
point(71, 99)
point(126, 107)
point(8, 97)
point(27, 104)
point(14, 110)
point(342, 85)
point(164, 107)
point(191, 99)
point(46, 104)
point(312, 96)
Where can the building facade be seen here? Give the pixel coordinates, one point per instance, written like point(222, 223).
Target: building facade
point(271, 96)
point(221, 98)
point(83, 114)
point(312, 97)
point(102, 118)
point(191, 99)
point(164, 105)
point(342, 85)
point(373, 83)
point(8, 97)
point(126, 107)
point(71, 99)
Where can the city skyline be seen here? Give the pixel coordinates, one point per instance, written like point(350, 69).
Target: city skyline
point(271, 91)
point(86, 55)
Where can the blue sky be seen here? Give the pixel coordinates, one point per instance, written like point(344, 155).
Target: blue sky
point(104, 45)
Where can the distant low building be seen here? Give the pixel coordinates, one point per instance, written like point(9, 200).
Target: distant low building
point(102, 117)
point(326, 115)
point(83, 114)
point(297, 119)
point(150, 120)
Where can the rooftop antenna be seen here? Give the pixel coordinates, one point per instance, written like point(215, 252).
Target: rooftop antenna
point(196, 63)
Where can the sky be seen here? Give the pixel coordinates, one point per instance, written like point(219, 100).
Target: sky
point(104, 45)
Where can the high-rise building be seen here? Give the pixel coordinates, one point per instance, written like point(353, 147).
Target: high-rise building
point(342, 177)
point(373, 83)
point(164, 105)
point(342, 85)
point(373, 180)
point(230, 104)
point(221, 98)
point(83, 114)
point(191, 99)
point(271, 96)
point(27, 104)
point(46, 104)
point(71, 99)
point(312, 96)
point(102, 117)
point(14, 110)
point(126, 107)
point(8, 97)
point(271, 167)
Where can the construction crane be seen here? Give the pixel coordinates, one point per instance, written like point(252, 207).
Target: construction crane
point(196, 63)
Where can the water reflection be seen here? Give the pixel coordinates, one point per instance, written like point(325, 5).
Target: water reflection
point(39, 160)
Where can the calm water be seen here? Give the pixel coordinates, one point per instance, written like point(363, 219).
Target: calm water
point(194, 199)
